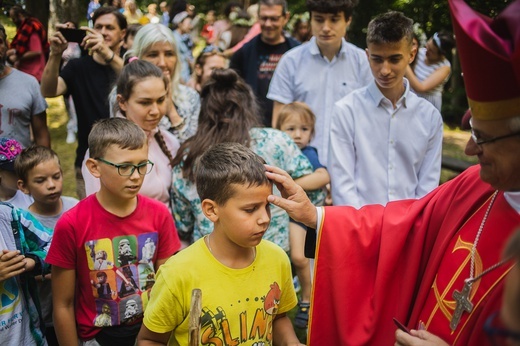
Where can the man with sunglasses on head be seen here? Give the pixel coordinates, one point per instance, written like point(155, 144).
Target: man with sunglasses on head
point(257, 59)
point(435, 263)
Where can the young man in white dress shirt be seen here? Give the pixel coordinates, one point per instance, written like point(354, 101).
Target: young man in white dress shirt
point(321, 71)
point(385, 141)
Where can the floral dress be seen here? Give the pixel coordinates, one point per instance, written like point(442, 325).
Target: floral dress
point(277, 149)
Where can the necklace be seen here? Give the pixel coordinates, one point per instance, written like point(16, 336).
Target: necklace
point(463, 302)
point(208, 242)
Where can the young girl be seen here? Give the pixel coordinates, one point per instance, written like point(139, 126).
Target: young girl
point(142, 91)
point(297, 120)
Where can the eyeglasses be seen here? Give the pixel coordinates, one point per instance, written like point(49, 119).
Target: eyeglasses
point(264, 19)
point(497, 334)
point(480, 141)
point(127, 169)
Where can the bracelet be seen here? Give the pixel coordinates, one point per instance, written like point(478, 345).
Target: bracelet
point(108, 61)
point(179, 125)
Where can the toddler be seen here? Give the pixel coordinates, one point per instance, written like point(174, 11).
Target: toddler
point(297, 120)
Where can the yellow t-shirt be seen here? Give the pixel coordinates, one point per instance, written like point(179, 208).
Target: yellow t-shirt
point(238, 305)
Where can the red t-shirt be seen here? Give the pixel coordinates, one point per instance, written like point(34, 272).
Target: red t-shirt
point(34, 66)
point(114, 259)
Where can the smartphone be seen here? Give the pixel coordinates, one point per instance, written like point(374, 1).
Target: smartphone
point(401, 326)
point(73, 35)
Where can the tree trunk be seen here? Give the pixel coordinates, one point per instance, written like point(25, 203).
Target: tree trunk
point(39, 9)
point(65, 11)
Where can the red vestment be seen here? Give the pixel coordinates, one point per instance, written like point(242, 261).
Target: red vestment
point(380, 262)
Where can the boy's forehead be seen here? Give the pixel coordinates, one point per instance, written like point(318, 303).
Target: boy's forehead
point(238, 189)
point(389, 48)
point(115, 150)
point(52, 161)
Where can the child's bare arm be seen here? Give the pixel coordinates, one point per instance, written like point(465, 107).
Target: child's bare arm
point(12, 264)
point(316, 180)
point(63, 291)
point(283, 332)
point(148, 338)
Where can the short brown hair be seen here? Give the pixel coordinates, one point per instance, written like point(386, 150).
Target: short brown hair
point(30, 158)
point(225, 164)
point(103, 10)
point(390, 27)
point(115, 131)
point(332, 7)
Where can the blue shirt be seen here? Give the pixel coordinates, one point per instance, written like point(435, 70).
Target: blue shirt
point(312, 155)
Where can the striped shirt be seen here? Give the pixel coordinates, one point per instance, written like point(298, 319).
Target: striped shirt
point(423, 71)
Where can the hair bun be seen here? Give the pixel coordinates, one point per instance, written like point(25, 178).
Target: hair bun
point(224, 78)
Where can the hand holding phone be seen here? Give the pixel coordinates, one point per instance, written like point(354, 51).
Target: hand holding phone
point(73, 35)
point(401, 326)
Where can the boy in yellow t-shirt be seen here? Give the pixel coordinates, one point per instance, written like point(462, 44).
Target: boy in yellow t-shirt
point(246, 282)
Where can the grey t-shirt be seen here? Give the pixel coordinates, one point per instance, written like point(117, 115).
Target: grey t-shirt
point(44, 287)
point(50, 221)
point(21, 200)
point(20, 100)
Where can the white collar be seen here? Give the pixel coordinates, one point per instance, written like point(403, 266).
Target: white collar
point(513, 198)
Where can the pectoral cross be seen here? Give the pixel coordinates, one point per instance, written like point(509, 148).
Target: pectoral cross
point(463, 304)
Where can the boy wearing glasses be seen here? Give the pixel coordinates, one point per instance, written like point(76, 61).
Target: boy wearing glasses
point(119, 222)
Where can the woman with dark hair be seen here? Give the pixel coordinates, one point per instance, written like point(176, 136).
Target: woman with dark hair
point(229, 113)
point(431, 68)
point(142, 94)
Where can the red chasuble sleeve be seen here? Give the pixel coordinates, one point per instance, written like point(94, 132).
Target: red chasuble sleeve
point(370, 263)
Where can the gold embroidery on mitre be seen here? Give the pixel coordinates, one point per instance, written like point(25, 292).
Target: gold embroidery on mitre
point(495, 110)
point(448, 306)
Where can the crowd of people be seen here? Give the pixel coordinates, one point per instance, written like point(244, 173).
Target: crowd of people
point(225, 151)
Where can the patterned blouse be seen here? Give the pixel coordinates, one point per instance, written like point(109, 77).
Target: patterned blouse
point(188, 107)
point(277, 149)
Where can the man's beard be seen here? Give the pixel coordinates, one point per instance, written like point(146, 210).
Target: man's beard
point(2, 66)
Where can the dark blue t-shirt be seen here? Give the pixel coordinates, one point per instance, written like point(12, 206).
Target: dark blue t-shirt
point(312, 155)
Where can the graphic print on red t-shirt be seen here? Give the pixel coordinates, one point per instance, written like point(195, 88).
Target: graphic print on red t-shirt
point(122, 274)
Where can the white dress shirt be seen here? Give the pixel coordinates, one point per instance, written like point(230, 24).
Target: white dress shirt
point(303, 74)
point(379, 154)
